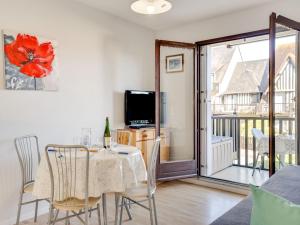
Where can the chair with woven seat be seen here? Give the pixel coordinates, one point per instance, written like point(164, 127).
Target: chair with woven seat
point(27, 148)
point(143, 192)
point(123, 137)
point(67, 164)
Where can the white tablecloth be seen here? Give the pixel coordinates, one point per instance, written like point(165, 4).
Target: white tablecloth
point(109, 172)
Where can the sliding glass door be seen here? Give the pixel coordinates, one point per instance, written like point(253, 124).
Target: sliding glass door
point(233, 94)
point(283, 92)
point(237, 119)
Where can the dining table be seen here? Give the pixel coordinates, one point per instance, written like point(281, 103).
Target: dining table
point(110, 171)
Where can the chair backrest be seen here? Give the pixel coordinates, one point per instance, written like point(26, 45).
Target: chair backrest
point(152, 165)
point(68, 165)
point(27, 148)
point(124, 137)
point(258, 134)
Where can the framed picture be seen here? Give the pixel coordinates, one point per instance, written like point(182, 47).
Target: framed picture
point(174, 63)
point(30, 62)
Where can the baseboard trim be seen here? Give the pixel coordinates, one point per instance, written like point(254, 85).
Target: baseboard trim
point(229, 187)
point(25, 216)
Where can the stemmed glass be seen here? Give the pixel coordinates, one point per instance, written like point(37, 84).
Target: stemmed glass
point(86, 136)
point(113, 139)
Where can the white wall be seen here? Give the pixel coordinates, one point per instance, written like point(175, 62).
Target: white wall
point(235, 23)
point(99, 57)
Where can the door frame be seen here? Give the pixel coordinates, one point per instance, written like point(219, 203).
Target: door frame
point(173, 169)
point(284, 21)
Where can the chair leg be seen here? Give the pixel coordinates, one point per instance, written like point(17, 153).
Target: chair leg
point(104, 208)
point(117, 200)
point(50, 215)
point(19, 208)
point(99, 214)
point(36, 210)
point(280, 162)
point(127, 209)
point(129, 203)
point(155, 212)
point(121, 211)
point(151, 210)
point(261, 164)
point(255, 164)
point(67, 221)
point(55, 217)
point(86, 215)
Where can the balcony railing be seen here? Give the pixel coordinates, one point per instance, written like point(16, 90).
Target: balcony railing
point(239, 128)
point(233, 108)
point(254, 109)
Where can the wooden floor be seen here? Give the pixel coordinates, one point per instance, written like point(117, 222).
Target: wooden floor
point(178, 203)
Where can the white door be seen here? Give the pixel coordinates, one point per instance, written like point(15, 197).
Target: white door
point(206, 114)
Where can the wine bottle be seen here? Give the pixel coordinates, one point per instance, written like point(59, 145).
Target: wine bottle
point(106, 136)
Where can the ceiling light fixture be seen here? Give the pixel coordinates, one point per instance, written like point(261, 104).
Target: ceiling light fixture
point(151, 6)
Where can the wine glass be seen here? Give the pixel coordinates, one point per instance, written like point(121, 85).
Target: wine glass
point(114, 138)
point(76, 140)
point(86, 136)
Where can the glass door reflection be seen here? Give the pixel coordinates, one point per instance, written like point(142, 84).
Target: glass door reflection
point(175, 77)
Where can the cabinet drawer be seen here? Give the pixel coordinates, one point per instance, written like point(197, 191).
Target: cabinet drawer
point(144, 135)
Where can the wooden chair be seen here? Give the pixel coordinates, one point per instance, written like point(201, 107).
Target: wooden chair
point(27, 148)
point(124, 137)
point(144, 192)
point(63, 162)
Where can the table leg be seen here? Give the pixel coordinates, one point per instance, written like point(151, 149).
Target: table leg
point(104, 209)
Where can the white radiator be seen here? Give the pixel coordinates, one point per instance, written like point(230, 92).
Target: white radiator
point(220, 155)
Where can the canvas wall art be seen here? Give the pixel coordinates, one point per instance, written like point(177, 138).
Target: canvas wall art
point(174, 63)
point(30, 62)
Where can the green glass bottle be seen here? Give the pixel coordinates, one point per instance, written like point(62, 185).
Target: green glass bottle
point(107, 135)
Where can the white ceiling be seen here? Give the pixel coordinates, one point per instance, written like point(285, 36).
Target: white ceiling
point(183, 11)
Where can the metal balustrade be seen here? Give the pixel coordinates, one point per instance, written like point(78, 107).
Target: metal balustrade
point(239, 128)
point(253, 109)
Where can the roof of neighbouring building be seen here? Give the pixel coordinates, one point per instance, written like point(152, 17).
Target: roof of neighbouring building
point(249, 77)
point(283, 53)
point(221, 56)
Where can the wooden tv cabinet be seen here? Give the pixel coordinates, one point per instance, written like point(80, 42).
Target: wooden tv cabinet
point(144, 139)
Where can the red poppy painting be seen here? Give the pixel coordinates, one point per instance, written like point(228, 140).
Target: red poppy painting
point(30, 62)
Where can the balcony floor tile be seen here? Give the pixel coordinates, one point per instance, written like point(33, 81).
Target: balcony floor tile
point(242, 175)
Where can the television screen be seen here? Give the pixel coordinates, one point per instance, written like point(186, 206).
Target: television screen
point(139, 107)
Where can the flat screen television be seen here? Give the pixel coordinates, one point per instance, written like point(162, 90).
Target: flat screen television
point(139, 107)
